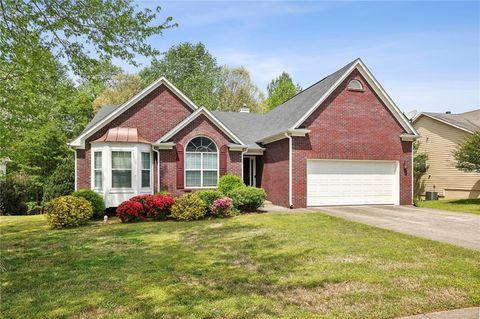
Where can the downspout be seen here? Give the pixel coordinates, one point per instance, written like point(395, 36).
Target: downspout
point(158, 168)
point(75, 158)
point(290, 201)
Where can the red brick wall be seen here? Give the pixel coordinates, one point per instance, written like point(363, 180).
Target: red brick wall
point(351, 125)
point(200, 126)
point(275, 172)
point(154, 115)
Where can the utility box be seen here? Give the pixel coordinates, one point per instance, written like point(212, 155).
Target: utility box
point(431, 195)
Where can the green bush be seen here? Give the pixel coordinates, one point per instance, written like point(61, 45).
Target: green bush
point(208, 196)
point(61, 182)
point(189, 206)
point(247, 198)
point(12, 197)
point(68, 211)
point(95, 199)
point(228, 183)
point(33, 208)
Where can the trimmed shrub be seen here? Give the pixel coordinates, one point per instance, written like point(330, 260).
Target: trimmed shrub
point(61, 182)
point(68, 211)
point(95, 199)
point(33, 208)
point(227, 183)
point(12, 197)
point(145, 206)
point(189, 206)
point(248, 198)
point(208, 196)
point(223, 207)
point(130, 211)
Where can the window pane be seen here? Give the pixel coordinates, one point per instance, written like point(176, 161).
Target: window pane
point(193, 179)
point(210, 161)
point(97, 160)
point(210, 178)
point(193, 161)
point(122, 178)
point(201, 144)
point(98, 179)
point(145, 178)
point(121, 160)
point(145, 160)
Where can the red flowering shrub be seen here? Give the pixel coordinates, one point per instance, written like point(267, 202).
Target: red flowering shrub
point(223, 207)
point(160, 206)
point(130, 211)
point(145, 206)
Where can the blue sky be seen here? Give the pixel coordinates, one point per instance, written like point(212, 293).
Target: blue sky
point(425, 54)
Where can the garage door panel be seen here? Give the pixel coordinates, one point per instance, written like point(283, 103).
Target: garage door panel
point(351, 182)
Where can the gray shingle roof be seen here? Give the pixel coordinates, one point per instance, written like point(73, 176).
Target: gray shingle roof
point(252, 127)
point(101, 114)
point(468, 120)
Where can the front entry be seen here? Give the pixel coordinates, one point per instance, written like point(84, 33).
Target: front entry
point(249, 170)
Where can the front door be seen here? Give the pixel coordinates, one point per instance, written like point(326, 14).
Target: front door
point(249, 170)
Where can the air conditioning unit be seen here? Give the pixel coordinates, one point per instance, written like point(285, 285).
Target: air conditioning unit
point(431, 195)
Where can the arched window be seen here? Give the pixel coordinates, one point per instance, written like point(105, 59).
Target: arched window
point(201, 163)
point(355, 85)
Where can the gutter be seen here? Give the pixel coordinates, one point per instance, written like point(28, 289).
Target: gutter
point(290, 200)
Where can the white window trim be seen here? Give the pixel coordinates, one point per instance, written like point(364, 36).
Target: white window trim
point(96, 169)
point(201, 165)
point(132, 166)
point(141, 169)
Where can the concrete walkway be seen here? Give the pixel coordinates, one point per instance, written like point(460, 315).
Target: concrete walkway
point(460, 229)
point(466, 313)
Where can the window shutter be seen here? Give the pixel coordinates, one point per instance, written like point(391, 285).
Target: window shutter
point(180, 167)
point(223, 160)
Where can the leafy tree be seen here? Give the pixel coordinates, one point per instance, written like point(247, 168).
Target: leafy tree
point(420, 165)
point(124, 87)
point(82, 32)
point(467, 154)
point(61, 182)
point(192, 69)
point(237, 89)
point(280, 90)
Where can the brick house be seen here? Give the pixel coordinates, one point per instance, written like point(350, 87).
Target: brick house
point(341, 141)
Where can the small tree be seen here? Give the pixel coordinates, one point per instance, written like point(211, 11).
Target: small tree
point(420, 167)
point(467, 154)
point(280, 90)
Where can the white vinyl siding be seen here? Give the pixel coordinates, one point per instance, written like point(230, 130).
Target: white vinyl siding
point(350, 182)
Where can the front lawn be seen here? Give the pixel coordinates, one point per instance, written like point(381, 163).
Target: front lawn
point(293, 265)
point(456, 205)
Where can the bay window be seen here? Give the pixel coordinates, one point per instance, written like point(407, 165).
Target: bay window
point(201, 163)
point(97, 170)
point(145, 170)
point(121, 169)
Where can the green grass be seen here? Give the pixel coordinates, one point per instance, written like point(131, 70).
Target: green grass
point(289, 265)
point(456, 205)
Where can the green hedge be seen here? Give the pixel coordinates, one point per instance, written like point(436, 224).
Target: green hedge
point(247, 198)
point(95, 199)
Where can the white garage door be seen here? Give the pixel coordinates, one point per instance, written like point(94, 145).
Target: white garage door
point(339, 182)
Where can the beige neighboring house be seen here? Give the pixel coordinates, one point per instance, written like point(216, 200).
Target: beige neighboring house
point(440, 134)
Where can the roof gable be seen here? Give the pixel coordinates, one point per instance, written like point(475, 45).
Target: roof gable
point(193, 116)
point(109, 113)
point(468, 121)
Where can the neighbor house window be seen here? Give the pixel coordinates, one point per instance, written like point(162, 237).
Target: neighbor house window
point(97, 170)
point(201, 163)
point(121, 169)
point(145, 170)
point(355, 85)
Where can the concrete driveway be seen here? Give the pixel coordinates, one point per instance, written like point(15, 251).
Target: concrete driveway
point(460, 229)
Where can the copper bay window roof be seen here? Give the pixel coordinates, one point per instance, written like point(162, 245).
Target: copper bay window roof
point(122, 134)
